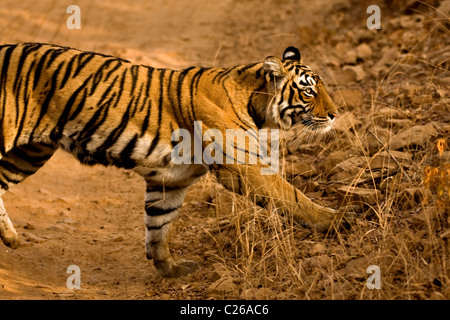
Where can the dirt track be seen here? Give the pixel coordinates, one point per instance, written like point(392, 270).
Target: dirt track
point(92, 217)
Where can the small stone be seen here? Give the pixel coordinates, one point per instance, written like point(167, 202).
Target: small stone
point(357, 73)
point(32, 238)
point(444, 7)
point(368, 196)
point(350, 57)
point(413, 136)
point(364, 51)
point(317, 249)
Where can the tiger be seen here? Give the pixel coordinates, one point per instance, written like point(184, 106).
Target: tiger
point(109, 111)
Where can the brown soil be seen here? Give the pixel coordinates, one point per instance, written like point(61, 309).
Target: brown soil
point(93, 217)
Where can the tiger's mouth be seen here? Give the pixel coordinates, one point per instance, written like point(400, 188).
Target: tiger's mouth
point(313, 123)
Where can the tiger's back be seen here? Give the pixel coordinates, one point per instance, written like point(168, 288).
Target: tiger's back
point(96, 106)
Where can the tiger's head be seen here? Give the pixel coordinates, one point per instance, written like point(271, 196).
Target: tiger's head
point(299, 95)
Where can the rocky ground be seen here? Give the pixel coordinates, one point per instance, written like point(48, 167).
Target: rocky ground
point(387, 160)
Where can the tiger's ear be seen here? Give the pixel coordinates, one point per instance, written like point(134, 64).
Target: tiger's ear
point(292, 53)
point(273, 66)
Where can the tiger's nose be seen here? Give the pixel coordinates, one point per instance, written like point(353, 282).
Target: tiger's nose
point(331, 116)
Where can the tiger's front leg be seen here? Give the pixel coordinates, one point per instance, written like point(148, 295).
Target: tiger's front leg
point(161, 208)
point(273, 189)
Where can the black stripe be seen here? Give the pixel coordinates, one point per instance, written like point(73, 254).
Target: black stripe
point(162, 189)
point(134, 76)
point(125, 155)
point(107, 91)
point(98, 76)
point(55, 53)
point(37, 72)
point(25, 53)
point(158, 126)
point(153, 144)
point(62, 120)
point(74, 96)
point(245, 68)
point(3, 185)
point(83, 60)
point(13, 168)
point(3, 78)
point(46, 103)
point(250, 108)
point(100, 152)
point(291, 95)
point(121, 87)
point(25, 100)
point(157, 227)
point(171, 100)
point(117, 66)
point(138, 102)
point(181, 79)
point(154, 211)
point(194, 86)
point(93, 124)
point(67, 72)
point(36, 160)
point(146, 121)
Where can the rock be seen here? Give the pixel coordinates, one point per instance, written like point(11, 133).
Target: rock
point(350, 98)
point(222, 286)
point(428, 214)
point(309, 186)
point(333, 159)
point(350, 57)
point(32, 238)
point(397, 124)
point(257, 294)
point(368, 196)
point(388, 58)
point(411, 197)
point(444, 7)
point(29, 226)
point(376, 139)
point(420, 101)
point(317, 249)
point(417, 135)
point(344, 177)
point(351, 165)
point(300, 167)
point(398, 155)
point(391, 113)
point(345, 122)
point(321, 261)
point(364, 51)
point(411, 90)
point(332, 61)
point(356, 73)
point(356, 268)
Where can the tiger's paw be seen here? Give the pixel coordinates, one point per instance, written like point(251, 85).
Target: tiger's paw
point(332, 220)
point(180, 269)
point(325, 218)
point(11, 239)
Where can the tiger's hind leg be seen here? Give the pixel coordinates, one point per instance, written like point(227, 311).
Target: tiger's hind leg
point(15, 166)
point(161, 207)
